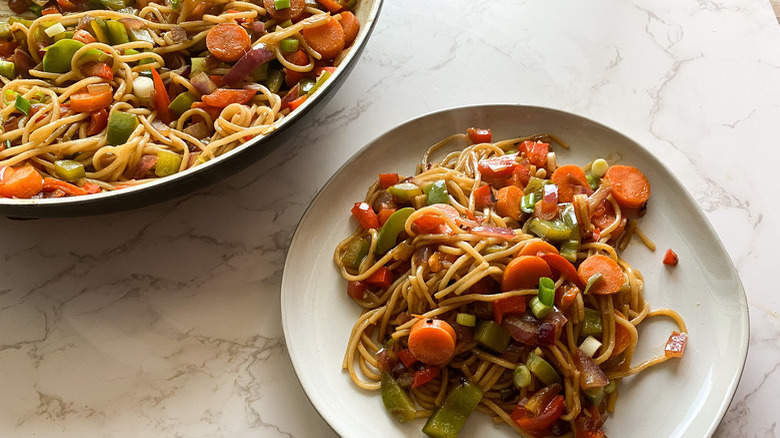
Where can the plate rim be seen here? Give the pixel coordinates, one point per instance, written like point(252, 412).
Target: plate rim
point(741, 297)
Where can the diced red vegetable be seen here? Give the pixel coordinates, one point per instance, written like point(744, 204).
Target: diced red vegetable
point(222, 97)
point(536, 152)
point(497, 167)
point(424, 376)
point(407, 357)
point(356, 289)
point(563, 267)
point(670, 258)
point(479, 135)
point(508, 306)
point(160, 98)
point(383, 278)
point(483, 196)
point(591, 375)
point(552, 411)
point(97, 121)
point(365, 215)
point(675, 346)
point(384, 214)
point(388, 179)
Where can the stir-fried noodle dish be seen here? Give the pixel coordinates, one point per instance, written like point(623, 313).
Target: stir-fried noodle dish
point(492, 280)
point(103, 94)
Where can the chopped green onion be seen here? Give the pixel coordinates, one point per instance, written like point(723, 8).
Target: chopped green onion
point(593, 181)
point(175, 4)
point(288, 45)
point(8, 69)
point(304, 86)
point(320, 80)
point(69, 170)
point(542, 369)
point(197, 64)
point(590, 345)
point(594, 279)
point(9, 96)
point(113, 4)
point(591, 325)
point(436, 193)
point(36, 9)
point(286, 23)
point(466, 319)
point(528, 203)
point(611, 386)
point(281, 4)
point(536, 186)
point(508, 393)
point(168, 163)
point(521, 377)
point(599, 167)
point(22, 105)
point(547, 291)
point(493, 336)
point(569, 250)
point(594, 396)
point(538, 308)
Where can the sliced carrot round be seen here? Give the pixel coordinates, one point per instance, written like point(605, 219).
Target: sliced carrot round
point(567, 178)
point(351, 25)
point(524, 272)
point(432, 341)
point(508, 201)
point(328, 39)
point(293, 13)
point(630, 187)
point(535, 247)
point(21, 182)
point(611, 275)
point(228, 41)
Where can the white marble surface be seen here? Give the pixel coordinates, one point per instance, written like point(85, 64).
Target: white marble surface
point(164, 321)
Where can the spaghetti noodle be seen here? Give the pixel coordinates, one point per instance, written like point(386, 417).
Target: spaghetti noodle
point(100, 95)
point(501, 287)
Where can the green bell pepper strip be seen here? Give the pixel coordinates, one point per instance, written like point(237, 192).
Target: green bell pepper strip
point(389, 232)
point(99, 30)
point(182, 102)
point(113, 4)
point(320, 80)
point(436, 193)
point(304, 86)
point(22, 105)
point(493, 336)
point(67, 35)
point(168, 163)
point(120, 126)
point(591, 325)
point(274, 80)
point(448, 419)
point(466, 319)
point(59, 55)
point(555, 230)
point(594, 396)
point(139, 35)
point(405, 190)
point(542, 369)
point(198, 63)
point(69, 170)
point(117, 32)
point(569, 250)
point(396, 400)
point(355, 252)
point(260, 72)
point(538, 308)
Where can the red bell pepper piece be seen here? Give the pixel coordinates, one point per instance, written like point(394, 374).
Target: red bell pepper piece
point(383, 278)
point(52, 184)
point(483, 196)
point(388, 179)
point(508, 306)
point(160, 98)
point(497, 167)
point(564, 267)
point(365, 215)
point(675, 346)
point(407, 357)
point(222, 97)
point(424, 376)
point(536, 152)
point(356, 289)
point(540, 422)
point(97, 121)
point(479, 135)
point(670, 258)
point(384, 214)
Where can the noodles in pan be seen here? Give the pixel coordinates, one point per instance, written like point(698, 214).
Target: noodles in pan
point(492, 280)
point(100, 95)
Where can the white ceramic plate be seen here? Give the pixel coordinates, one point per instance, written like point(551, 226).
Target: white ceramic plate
point(680, 398)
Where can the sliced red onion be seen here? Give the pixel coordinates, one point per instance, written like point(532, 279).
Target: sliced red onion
point(499, 232)
point(130, 23)
point(591, 376)
point(546, 334)
point(178, 34)
point(142, 167)
point(259, 55)
point(523, 328)
point(203, 83)
point(198, 130)
point(23, 62)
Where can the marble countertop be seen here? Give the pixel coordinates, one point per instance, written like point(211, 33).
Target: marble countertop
point(165, 321)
